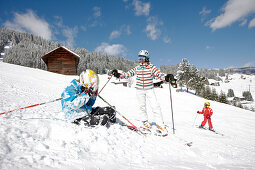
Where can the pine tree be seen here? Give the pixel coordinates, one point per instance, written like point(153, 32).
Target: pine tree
point(207, 93)
point(186, 73)
point(214, 95)
point(247, 95)
point(223, 98)
point(230, 93)
point(197, 83)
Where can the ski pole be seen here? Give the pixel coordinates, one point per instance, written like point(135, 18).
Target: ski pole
point(105, 85)
point(121, 115)
point(194, 120)
point(32, 105)
point(171, 106)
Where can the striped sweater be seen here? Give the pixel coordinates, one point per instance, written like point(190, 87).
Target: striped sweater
point(144, 75)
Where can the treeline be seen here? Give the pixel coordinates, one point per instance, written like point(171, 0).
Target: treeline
point(27, 50)
point(101, 63)
point(208, 73)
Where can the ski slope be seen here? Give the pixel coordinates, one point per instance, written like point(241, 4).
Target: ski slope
point(238, 83)
point(39, 138)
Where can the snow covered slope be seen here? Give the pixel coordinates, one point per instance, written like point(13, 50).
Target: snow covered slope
point(238, 83)
point(38, 138)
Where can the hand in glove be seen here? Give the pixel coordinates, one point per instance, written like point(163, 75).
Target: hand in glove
point(169, 77)
point(198, 112)
point(115, 73)
point(87, 91)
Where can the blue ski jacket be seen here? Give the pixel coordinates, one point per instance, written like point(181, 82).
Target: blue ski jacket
point(76, 104)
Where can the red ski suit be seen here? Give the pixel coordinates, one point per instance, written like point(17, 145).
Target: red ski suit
point(207, 116)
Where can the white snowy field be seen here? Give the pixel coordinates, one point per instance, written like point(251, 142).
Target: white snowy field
point(39, 138)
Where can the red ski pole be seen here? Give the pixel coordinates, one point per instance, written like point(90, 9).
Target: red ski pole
point(32, 106)
point(105, 84)
point(121, 115)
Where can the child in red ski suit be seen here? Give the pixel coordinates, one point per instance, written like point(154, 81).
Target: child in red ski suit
point(207, 111)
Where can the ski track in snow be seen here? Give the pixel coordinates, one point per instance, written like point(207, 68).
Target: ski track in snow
point(39, 138)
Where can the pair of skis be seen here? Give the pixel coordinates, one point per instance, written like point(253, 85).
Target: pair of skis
point(148, 131)
point(213, 131)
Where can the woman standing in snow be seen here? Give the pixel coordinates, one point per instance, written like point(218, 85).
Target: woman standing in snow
point(80, 96)
point(207, 111)
point(145, 72)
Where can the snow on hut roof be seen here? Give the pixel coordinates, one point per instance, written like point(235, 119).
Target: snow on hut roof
point(65, 49)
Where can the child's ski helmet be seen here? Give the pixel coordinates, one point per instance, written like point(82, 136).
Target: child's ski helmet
point(207, 104)
point(89, 80)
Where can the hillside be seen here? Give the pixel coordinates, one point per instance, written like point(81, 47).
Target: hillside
point(39, 138)
point(238, 83)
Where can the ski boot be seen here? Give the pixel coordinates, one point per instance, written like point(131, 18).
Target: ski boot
point(147, 124)
point(212, 130)
point(162, 130)
point(201, 126)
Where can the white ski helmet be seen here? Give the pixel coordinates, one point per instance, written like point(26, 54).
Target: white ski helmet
point(89, 79)
point(144, 53)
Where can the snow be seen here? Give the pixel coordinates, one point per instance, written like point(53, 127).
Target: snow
point(65, 49)
point(239, 83)
point(39, 138)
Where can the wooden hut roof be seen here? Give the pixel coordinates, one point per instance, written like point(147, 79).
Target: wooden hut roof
point(44, 58)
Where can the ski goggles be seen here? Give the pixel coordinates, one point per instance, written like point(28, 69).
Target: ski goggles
point(140, 57)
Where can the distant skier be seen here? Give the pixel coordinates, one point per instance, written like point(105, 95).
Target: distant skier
point(80, 96)
point(207, 111)
point(145, 72)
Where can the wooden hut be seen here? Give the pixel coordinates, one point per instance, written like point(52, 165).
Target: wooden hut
point(62, 60)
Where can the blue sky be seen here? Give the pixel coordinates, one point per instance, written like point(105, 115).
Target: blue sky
point(209, 33)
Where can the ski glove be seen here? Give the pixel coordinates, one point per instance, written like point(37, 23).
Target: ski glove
point(169, 77)
point(198, 112)
point(115, 73)
point(87, 91)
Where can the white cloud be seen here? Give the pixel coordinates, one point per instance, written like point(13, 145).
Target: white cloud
point(83, 28)
point(252, 23)
point(249, 64)
point(114, 49)
point(167, 40)
point(204, 13)
point(128, 31)
point(233, 11)
point(141, 8)
point(152, 29)
point(97, 11)
point(30, 22)
point(243, 22)
point(208, 47)
point(70, 34)
point(115, 34)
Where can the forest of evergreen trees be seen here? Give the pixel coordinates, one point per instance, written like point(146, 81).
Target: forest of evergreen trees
point(27, 50)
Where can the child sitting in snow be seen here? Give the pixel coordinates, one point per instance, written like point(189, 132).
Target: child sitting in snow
point(207, 111)
point(78, 99)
